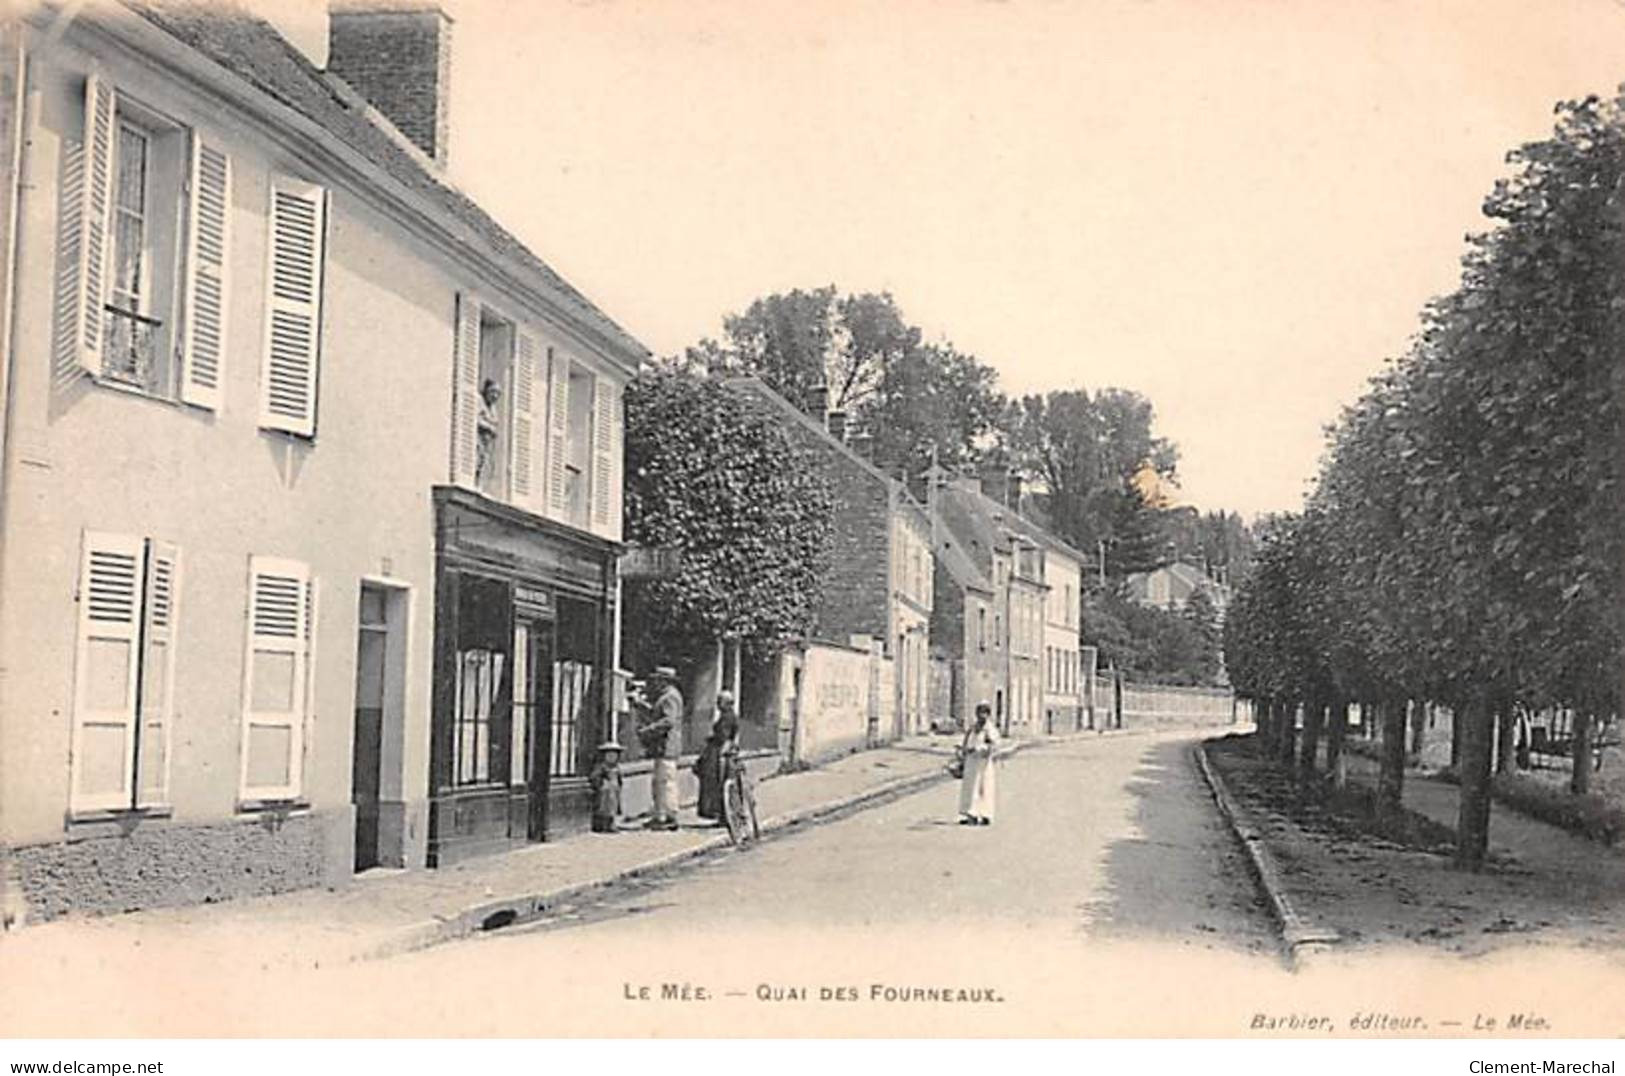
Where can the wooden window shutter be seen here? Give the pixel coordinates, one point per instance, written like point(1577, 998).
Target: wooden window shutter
point(524, 420)
point(208, 249)
point(603, 423)
point(465, 403)
point(558, 418)
point(617, 460)
point(110, 586)
point(83, 236)
point(157, 674)
point(293, 307)
point(276, 683)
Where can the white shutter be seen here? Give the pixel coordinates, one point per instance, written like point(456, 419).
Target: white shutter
point(207, 252)
point(84, 233)
point(603, 425)
point(522, 437)
point(157, 674)
point(558, 417)
point(288, 381)
point(110, 585)
point(465, 404)
point(312, 592)
point(617, 461)
point(275, 678)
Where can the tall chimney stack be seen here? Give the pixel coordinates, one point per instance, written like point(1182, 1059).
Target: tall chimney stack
point(818, 404)
point(397, 55)
point(837, 425)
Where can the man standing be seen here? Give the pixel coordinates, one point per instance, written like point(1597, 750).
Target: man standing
point(659, 730)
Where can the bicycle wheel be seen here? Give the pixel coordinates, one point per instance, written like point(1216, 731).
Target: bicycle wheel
point(733, 811)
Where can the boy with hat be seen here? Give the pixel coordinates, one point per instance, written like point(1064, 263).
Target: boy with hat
point(605, 782)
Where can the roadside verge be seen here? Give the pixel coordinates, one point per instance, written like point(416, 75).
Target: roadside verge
point(1299, 936)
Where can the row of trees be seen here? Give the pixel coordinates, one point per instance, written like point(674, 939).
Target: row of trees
point(1463, 545)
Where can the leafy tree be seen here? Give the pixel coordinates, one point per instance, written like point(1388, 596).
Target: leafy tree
point(907, 401)
point(713, 478)
point(1087, 451)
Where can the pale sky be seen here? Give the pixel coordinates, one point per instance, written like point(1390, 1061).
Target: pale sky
point(1235, 208)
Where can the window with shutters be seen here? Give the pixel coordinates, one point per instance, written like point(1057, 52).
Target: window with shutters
point(277, 679)
point(495, 441)
point(497, 433)
point(125, 673)
point(143, 247)
point(143, 232)
point(578, 451)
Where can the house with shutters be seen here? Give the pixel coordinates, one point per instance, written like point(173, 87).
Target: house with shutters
point(310, 498)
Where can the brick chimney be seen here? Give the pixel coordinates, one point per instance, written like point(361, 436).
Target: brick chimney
point(818, 404)
point(996, 482)
point(1014, 491)
point(397, 55)
point(837, 425)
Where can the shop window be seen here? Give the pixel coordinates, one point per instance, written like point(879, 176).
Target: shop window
point(482, 679)
point(575, 684)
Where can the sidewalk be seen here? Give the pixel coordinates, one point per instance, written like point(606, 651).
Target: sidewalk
point(1583, 866)
point(1338, 887)
point(385, 912)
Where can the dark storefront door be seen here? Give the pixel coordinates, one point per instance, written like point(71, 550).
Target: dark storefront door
point(532, 711)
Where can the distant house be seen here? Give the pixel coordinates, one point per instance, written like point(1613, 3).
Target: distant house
point(966, 631)
point(1171, 587)
point(878, 589)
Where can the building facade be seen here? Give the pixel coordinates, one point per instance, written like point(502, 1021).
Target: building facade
point(879, 583)
point(1001, 567)
point(311, 481)
point(965, 632)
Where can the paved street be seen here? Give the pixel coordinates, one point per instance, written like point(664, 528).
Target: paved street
point(1114, 837)
point(1108, 873)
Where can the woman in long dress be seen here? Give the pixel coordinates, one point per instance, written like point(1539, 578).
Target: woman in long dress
point(709, 765)
point(978, 789)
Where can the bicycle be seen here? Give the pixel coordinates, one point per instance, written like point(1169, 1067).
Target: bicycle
point(739, 801)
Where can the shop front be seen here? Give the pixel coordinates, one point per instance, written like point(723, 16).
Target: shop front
point(523, 659)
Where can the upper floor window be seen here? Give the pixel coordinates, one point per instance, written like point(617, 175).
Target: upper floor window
point(578, 470)
point(143, 244)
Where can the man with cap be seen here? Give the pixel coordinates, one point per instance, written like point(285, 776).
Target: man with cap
point(659, 729)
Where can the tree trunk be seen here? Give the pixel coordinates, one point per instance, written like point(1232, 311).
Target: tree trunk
point(1457, 720)
point(1473, 766)
point(1336, 765)
point(1503, 736)
point(1419, 726)
point(1580, 779)
point(1391, 776)
point(1266, 728)
point(1314, 721)
point(1289, 734)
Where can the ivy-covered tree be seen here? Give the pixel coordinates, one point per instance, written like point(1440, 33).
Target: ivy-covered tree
point(711, 477)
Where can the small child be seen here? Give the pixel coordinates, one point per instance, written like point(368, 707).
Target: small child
point(605, 782)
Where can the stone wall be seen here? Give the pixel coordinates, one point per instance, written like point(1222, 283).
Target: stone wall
point(155, 865)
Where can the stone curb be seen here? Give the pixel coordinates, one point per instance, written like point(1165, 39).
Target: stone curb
point(522, 908)
point(1299, 937)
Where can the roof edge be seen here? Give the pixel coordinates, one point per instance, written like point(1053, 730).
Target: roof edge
point(126, 27)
